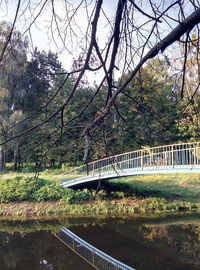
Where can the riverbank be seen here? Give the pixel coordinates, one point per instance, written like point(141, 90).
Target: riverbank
point(126, 206)
point(22, 196)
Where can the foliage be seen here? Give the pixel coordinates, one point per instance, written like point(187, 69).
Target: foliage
point(127, 196)
point(18, 189)
point(77, 197)
point(145, 195)
point(188, 109)
point(31, 189)
point(147, 112)
point(50, 191)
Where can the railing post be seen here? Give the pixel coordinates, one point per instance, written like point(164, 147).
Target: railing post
point(93, 168)
point(142, 160)
point(194, 155)
point(93, 258)
point(172, 156)
point(87, 169)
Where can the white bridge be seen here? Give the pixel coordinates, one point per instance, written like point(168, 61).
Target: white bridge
point(176, 158)
point(95, 257)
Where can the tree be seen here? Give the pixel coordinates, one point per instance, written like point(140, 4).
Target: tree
point(136, 33)
point(39, 80)
point(40, 84)
point(188, 122)
point(12, 70)
point(148, 105)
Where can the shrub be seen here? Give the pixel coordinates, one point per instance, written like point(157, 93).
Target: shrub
point(49, 191)
point(71, 196)
point(118, 195)
point(15, 190)
point(20, 189)
point(31, 189)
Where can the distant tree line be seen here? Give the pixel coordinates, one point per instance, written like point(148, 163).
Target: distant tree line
point(149, 111)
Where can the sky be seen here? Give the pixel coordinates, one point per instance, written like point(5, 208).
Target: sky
point(40, 34)
point(41, 31)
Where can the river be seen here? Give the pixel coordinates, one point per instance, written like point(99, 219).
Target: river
point(145, 243)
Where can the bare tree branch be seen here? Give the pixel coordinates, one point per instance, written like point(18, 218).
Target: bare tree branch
point(11, 32)
point(181, 29)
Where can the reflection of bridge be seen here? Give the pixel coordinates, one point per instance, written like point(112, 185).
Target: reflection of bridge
point(95, 257)
point(176, 158)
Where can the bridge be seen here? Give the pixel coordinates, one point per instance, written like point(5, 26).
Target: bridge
point(175, 158)
point(95, 257)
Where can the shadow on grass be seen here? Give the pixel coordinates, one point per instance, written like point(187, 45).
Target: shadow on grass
point(144, 189)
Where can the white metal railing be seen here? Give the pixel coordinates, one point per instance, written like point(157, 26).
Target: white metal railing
point(183, 155)
point(92, 255)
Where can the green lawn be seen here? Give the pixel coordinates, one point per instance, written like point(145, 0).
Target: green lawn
point(184, 187)
point(123, 196)
point(47, 175)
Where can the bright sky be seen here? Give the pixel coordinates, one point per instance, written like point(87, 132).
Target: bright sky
point(41, 34)
point(63, 43)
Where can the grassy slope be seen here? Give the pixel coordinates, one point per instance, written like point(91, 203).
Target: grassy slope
point(184, 187)
point(139, 194)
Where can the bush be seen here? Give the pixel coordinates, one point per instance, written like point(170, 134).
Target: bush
point(30, 189)
point(15, 190)
point(71, 196)
point(20, 189)
point(49, 191)
point(118, 195)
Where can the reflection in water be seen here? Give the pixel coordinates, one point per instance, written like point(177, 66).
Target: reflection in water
point(144, 244)
point(37, 251)
point(91, 254)
point(128, 243)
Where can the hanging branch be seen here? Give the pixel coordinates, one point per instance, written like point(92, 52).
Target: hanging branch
point(8, 39)
point(174, 35)
point(124, 31)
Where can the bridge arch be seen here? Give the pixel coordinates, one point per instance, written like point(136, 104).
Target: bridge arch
point(174, 158)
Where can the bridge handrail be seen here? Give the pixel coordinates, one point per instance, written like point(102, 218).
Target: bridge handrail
point(94, 251)
point(150, 149)
point(138, 158)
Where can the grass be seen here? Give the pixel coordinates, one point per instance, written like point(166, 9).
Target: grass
point(183, 187)
point(119, 197)
point(46, 174)
point(106, 208)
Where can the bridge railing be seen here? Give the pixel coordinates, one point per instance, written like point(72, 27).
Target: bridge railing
point(154, 158)
point(91, 254)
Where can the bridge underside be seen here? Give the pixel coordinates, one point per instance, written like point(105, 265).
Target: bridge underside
point(129, 172)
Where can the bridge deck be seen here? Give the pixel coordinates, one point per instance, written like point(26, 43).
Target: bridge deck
point(175, 158)
point(130, 172)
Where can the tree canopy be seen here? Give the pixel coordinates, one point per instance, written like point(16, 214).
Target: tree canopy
point(144, 54)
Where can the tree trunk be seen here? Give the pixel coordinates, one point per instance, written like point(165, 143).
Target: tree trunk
point(15, 158)
point(19, 160)
point(61, 156)
point(87, 147)
point(2, 158)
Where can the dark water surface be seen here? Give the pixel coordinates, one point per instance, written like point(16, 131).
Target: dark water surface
point(167, 243)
